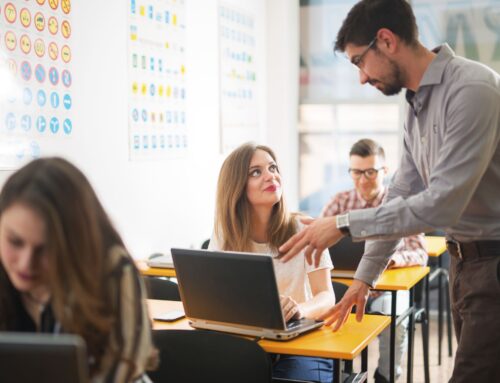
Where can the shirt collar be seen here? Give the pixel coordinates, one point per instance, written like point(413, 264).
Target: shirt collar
point(374, 202)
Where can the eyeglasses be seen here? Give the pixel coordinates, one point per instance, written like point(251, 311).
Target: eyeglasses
point(356, 60)
point(370, 173)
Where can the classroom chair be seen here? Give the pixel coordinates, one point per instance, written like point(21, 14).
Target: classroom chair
point(161, 288)
point(209, 356)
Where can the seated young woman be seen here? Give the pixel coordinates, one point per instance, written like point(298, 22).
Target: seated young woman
point(65, 269)
point(251, 216)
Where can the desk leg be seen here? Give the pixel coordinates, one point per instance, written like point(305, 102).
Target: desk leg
point(392, 375)
point(364, 360)
point(440, 310)
point(411, 330)
point(337, 373)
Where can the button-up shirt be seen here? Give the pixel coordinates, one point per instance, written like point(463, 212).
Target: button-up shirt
point(449, 174)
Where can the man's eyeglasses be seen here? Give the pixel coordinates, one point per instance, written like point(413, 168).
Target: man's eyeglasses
point(356, 60)
point(370, 173)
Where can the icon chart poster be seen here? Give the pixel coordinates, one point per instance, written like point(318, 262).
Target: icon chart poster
point(36, 98)
point(157, 79)
point(238, 77)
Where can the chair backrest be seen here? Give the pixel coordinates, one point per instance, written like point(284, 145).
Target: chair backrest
point(339, 289)
point(159, 288)
point(204, 356)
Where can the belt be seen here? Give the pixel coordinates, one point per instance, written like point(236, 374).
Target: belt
point(476, 249)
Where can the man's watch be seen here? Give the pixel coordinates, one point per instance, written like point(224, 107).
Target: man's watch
point(343, 224)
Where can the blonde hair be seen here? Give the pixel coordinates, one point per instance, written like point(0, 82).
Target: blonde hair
point(232, 216)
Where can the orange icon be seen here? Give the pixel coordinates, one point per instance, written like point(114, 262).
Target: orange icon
point(25, 17)
point(10, 40)
point(25, 44)
point(66, 54)
point(53, 4)
point(53, 50)
point(39, 47)
point(66, 28)
point(66, 6)
point(53, 25)
point(39, 21)
point(10, 12)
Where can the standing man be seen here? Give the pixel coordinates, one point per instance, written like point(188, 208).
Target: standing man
point(448, 178)
point(367, 169)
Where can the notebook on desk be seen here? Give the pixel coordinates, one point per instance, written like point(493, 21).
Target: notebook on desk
point(234, 292)
point(42, 358)
point(346, 256)
point(162, 260)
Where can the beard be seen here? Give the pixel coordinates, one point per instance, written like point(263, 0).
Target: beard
point(392, 83)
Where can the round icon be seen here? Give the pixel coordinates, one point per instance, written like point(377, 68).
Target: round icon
point(40, 2)
point(53, 25)
point(66, 29)
point(26, 70)
point(39, 47)
point(66, 6)
point(66, 54)
point(67, 126)
point(27, 96)
point(144, 115)
point(39, 21)
point(40, 73)
point(25, 44)
point(144, 89)
point(10, 12)
point(135, 115)
point(41, 124)
point(53, 4)
point(66, 78)
point(53, 50)
point(53, 76)
point(67, 101)
point(12, 65)
point(25, 17)
point(10, 121)
point(41, 97)
point(10, 40)
point(54, 100)
point(26, 123)
point(54, 125)
point(152, 89)
point(135, 87)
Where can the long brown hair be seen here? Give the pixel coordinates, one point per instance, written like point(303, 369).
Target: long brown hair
point(232, 217)
point(78, 239)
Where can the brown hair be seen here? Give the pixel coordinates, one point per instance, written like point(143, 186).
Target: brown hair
point(366, 147)
point(78, 239)
point(232, 217)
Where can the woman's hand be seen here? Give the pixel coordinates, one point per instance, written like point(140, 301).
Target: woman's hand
point(290, 308)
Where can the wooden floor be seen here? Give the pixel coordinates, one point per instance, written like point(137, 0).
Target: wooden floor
point(438, 374)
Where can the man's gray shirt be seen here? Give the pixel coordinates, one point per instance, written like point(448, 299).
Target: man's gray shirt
point(449, 174)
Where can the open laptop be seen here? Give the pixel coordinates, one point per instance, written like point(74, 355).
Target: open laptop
point(234, 292)
point(346, 256)
point(42, 358)
point(162, 260)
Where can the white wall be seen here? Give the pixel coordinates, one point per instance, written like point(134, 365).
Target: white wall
point(160, 204)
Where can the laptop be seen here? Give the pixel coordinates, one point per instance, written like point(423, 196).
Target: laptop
point(346, 256)
point(42, 358)
point(234, 292)
point(160, 260)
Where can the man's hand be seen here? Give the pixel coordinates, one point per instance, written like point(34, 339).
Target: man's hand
point(356, 295)
point(317, 235)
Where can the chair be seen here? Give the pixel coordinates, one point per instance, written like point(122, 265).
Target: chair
point(207, 356)
point(159, 288)
point(205, 244)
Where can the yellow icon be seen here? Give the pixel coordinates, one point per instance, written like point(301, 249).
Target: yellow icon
point(39, 47)
point(53, 4)
point(142, 10)
point(53, 51)
point(25, 17)
point(167, 45)
point(144, 89)
point(66, 28)
point(174, 19)
point(66, 54)
point(10, 13)
point(160, 90)
point(135, 88)
point(10, 40)
point(41, 2)
point(53, 25)
point(169, 91)
point(39, 21)
point(25, 44)
point(183, 69)
point(66, 6)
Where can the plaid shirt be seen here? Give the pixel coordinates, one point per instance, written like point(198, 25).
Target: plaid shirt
point(410, 251)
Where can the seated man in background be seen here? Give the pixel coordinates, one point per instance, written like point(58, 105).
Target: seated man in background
point(367, 169)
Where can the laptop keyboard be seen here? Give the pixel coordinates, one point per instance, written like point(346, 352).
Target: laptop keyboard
point(294, 323)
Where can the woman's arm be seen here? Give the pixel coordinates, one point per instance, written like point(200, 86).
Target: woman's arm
point(323, 295)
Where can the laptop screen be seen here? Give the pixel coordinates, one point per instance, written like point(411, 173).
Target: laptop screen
point(42, 358)
point(238, 288)
point(346, 254)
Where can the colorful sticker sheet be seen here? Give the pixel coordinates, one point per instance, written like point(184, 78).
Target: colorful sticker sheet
point(238, 77)
point(157, 79)
point(36, 78)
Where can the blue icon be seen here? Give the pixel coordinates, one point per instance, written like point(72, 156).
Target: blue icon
point(10, 121)
point(40, 73)
point(27, 96)
point(35, 149)
point(26, 70)
point(132, 6)
point(41, 97)
point(54, 100)
point(137, 143)
point(152, 63)
point(67, 102)
point(41, 124)
point(158, 16)
point(169, 117)
point(152, 89)
point(153, 142)
point(53, 76)
point(150, 11)
point(66, 78)
point(167, 17)
point(144, 115)
point(26, 123)
point(162, 141)
point(135, 115)
point(160, 65)
point(67, 126)
point(54, 125)
point(145, 143)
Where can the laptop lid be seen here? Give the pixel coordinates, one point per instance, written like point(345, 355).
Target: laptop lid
point(234, 292)
point(42, 358)
point(346, 256)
